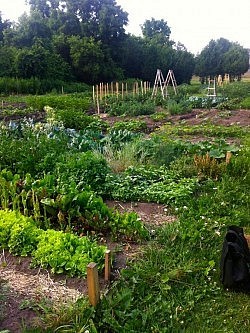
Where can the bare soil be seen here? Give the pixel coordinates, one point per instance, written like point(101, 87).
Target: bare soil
point(195, 117)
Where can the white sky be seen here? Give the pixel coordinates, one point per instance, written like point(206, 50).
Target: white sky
point(192, 22)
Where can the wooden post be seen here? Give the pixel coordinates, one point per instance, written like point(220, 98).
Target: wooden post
point(107, 265)
point(122, 89)
point(94, 94)
point(112, 89)
point(117, 89)
point(97, 99)
point(105, 92)
point(93, 284)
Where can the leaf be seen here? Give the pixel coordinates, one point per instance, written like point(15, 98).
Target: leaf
point(216, 153)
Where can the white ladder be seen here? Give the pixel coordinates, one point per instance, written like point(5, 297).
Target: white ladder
point(211, 89)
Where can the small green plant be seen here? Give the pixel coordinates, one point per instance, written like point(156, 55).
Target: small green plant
point(130, 125)
point(62, 252)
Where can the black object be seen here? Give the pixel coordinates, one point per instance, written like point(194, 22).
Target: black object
point(235, 261)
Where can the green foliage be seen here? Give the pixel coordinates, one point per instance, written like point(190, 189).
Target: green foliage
point(62, 252)
point(10, 85)
point(131, 108)
point(179, 272)
point(160, 151)
point(150, 184)
point(28, 148)
point(230, 104)
point(130, 125)
point(235, 90)
point(83, 169)
point(207, 130)
point(17, 233)
point(119, 137)
point(245, 104)
point(156, 29)
point(178, 108)
point(76, 119)
point(222, 56)
point(76, 102)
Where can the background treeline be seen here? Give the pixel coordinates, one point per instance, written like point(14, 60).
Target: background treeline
point(85, 41)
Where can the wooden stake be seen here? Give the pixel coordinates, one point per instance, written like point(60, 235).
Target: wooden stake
point(122, 89)
point(93, 284)
point(117, 89)
point(107, 265)
point(97, 100)
point(94, 94)
point(105, 92)
point(112, 89)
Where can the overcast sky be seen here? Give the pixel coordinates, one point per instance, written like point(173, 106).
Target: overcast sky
point(192, 22)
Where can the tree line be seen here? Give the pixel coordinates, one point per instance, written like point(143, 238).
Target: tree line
point(85, 41)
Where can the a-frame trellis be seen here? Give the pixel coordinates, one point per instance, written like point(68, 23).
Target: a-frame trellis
point(163, 84)
point(159, 82)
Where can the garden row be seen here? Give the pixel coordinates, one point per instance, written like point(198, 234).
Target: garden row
point(230, 97)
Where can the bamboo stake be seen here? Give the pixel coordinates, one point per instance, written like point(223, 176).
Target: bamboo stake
point(94, 94)
point(100, 91)
point(112, 89)
point(142, 92)
point(137, 88)
point(97, 100)
point(98, 106)
point(122, 89)
point(107, 265)
point(117, 89)
point(105, 93)
point(93, 284)
point(126, 88)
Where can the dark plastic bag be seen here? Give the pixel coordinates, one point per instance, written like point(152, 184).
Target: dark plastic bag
point(235, 261)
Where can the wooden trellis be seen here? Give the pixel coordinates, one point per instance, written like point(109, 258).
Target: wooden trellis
point(163, 84)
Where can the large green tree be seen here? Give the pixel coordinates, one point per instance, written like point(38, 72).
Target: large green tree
point(157, 30)
point(4, 24)
point(219, 57)
point(236, 61)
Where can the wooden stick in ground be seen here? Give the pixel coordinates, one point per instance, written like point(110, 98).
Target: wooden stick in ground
point(97, 99)
point(107, 269)
point(122, 89)
point(112, 89)
point(94, 94)
point(93, 284)
point(117, 90)
point(105, 92)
